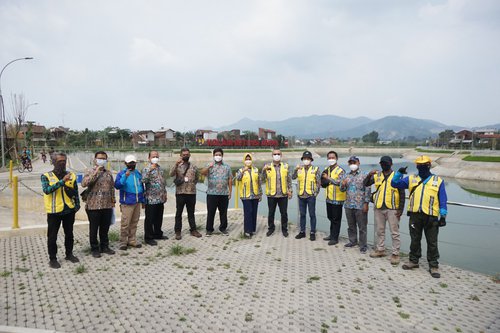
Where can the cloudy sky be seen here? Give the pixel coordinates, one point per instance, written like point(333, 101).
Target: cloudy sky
point(190, 64)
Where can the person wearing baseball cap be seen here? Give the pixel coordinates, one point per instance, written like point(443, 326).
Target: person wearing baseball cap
point(129, 182)
point(427, 201)
point(356, 205)
point(309, 182)
point(388, 205)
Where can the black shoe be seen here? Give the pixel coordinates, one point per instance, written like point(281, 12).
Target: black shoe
point(161, 237)
point(107, 250)
point(285, 233)
point(333, 242)
point(209, 233)
point(224, 232)
point(96, 254)
point(151, 242)
point(300, 235)
point(350, 244)
point(312, 237)
point(53, 263)
point(269, 232)
point(72, 258)
point(123, 247)
point(328, 238)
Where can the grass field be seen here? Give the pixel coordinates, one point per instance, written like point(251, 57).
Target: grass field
point(471, 158)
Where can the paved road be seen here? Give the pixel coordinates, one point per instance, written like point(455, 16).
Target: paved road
point(266, 284)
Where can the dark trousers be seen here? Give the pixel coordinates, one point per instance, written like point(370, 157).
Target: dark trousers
point(334, 214)
point(282, 203)
point(188, 200)
point(250, 207)
point(356, 220)
point(215, 202)
point(99, 222)
point(53, 224)
point(304, 205)
point(429, 225)
point(153, 221)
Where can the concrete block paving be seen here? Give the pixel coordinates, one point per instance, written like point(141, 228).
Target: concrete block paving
point(230, 284)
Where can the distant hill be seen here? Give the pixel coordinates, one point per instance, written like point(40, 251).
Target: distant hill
point(301, 127)
point(326, 126)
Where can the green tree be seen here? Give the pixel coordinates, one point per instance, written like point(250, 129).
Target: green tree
point(371, 137)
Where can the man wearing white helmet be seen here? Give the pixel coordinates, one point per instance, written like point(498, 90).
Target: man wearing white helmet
point(129, 182)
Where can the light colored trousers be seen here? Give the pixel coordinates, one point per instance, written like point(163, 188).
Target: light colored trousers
point(382, 216)
point(128, 226)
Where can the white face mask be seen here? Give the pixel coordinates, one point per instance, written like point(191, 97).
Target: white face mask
point(100, 162)
point(332, 162)
point(276, 158)
point(217, 158)
point(306, 162)
point(248, 163)
point(353, 167)
point(155, 160)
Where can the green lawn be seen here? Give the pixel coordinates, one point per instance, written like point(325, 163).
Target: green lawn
point(482, 158)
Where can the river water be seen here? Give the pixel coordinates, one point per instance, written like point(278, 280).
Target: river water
point(469, 240)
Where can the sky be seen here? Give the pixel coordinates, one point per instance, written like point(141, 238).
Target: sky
point(195, 63)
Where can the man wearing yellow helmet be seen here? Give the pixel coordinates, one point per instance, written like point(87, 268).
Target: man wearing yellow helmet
point(427, 200)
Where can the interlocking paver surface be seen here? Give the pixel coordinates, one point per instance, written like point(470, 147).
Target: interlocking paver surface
point(229, 284)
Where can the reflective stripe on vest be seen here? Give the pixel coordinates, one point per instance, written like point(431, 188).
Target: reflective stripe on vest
point(54, 202)
point(246, 188)
point(271, 181)
point(307, 180)
point(385, 192)
point(333, 192)
point(425, 197)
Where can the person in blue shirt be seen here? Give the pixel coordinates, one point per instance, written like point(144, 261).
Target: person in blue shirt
point(427, 201)
point(129, 182)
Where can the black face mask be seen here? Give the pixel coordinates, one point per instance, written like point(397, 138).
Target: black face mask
point(130, 166)
point(424, 170)
point(60, 169)
point(185, 158)
point(385, 166)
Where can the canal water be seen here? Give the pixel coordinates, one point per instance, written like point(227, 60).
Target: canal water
point(470, 239)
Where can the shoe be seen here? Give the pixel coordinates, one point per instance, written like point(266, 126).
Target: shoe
point(312, 237)
point(53, 263)
point(136, 245)
point(72, 258)
point(410, 265)
point(377, 254)
point(123, 247)
point(107, 250)
point(209, 233)
point(178, 235)
point(328, 238)
point(269, 233)
point(435, 272)
point(151, 242)
point(224, 232)
point(350, 244)
point(363, 250)
point(300, 235)
point(285, 233)
point(333, 242)
point(195, 233)
point(96, 254)
point(247, 235)
point(161, 237)
point(394, 259)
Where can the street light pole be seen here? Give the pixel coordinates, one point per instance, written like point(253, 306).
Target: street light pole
point(2, 110)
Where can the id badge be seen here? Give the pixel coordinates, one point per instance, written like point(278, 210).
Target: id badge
point(186, 179)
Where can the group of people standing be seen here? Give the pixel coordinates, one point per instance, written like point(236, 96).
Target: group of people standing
point(348, 191)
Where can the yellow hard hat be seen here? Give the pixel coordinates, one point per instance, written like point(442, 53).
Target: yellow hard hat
point(423, 159)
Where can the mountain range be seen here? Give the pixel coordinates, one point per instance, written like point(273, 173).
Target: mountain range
point(332, 126)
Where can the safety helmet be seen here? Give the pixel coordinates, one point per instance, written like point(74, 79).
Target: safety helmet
point(423, 159)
